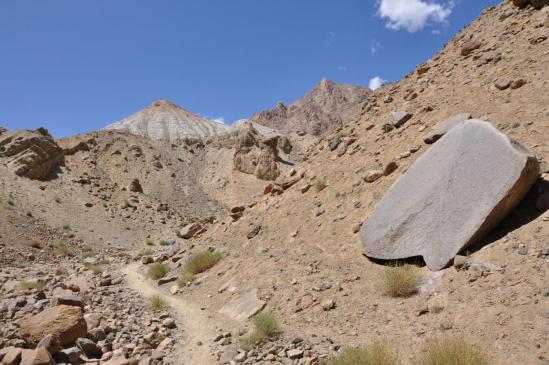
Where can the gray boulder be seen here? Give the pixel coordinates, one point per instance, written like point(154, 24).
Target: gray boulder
point(451, 197)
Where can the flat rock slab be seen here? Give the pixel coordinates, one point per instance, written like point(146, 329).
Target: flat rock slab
point(452, 196)
point(244, 307)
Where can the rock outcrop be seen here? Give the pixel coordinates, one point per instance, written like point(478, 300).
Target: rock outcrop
point(65, 322)
point(30, 153)
point(327, 106)
point(256, 155)
point(451, 196)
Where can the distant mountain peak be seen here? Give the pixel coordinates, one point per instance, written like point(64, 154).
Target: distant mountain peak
point(325, 107)
point(163, 119)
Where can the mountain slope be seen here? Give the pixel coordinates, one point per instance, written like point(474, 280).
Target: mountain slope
point(327, 106)
point(168, 121)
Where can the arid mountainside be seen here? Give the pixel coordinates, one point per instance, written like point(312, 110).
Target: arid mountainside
point(171, 248)
point(327, 106)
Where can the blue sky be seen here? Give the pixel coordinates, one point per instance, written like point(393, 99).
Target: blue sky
point(74, 66)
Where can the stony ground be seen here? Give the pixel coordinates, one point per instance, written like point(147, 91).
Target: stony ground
point(87, 236)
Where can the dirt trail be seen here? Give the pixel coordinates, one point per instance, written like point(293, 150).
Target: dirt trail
point(197, 326)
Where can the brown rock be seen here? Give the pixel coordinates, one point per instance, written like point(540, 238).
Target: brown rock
point(390, 168)
point(255, 156)
point(12, 356)
point(135, 186)
point(502, 84)
point(521, 3)
point(469, 47)
point(190, 230)
point(515, 84)
point(65, 322)
point(38, 356)
point(451, 197)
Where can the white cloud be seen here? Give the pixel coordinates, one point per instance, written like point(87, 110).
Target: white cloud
point(342, 69)
point(413, 15)
point(375, 83)
point(220, 120)
point(374, 46)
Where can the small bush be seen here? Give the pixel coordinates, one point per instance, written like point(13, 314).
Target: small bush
point(66, 227)
point(10, 202)
point(126, 204)
point(452, 351)
point(400, 281)
point(320, 185)
point(184, 278)
point(61, 248)
point(29, 214)
point(341, 135)
point(149, 242)
point(157, 303)
point(202, 261)
point(96, 269)
point(374, 354)
point(28, 285)
point(157, 270)
point(35, 243)
point(266, 328)
point(146, 252)
point(164, 243)
point(57, 200)
point(61, 271)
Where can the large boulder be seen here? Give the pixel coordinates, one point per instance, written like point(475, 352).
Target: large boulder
point(257, 156)
point(65, 322)
point(444, 127)
point(453, 195)
point(30, 153)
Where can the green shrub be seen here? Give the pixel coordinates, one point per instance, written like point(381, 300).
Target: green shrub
point(146, 252)
point(266, 328)
point(149, 242)
point(157, 303)
point(66, 227)
point(400, 281)
point(202, 261)
point(452, 351)
point(57, 200)
point(29, 214)
point(164, 243)
point(157, 270)
point(61, 271)
point(374, 354)
point(10, 202)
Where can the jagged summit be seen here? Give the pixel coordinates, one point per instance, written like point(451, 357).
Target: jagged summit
point(322, 109)
point(163, 119)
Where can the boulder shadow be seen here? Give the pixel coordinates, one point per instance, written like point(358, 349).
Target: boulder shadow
point(415, 261)
point(523, 214)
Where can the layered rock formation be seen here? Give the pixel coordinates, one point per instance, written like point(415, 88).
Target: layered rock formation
point(30, 153)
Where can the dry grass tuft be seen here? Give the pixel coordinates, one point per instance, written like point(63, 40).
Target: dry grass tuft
point(149, 242)
point(266, 327)
point(452, 351)
point(184, 278)
point(157, 270)
point(35, 284)
point(61, 271)
point(35, 243)
point(202, 261)
point(96, 269)
point(400, 281)
point(61, 248)
point(375, 354)
point(320, 185)
point(157, 303)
